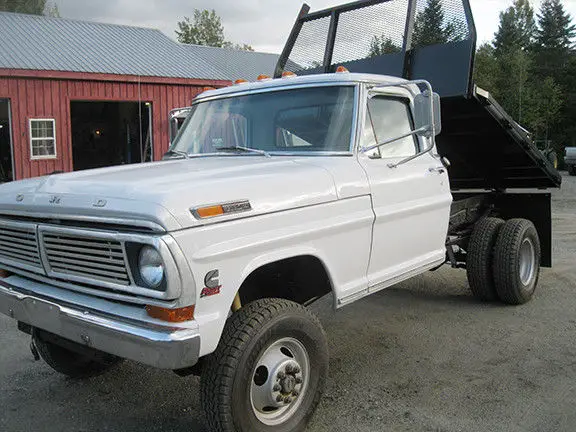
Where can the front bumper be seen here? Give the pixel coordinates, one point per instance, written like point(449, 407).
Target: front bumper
point(151, 344)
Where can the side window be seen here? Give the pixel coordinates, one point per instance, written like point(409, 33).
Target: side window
point(42, 138)
point(389, 118)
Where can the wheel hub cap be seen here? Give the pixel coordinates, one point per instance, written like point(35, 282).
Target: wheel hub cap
point(527, 262)
point(279, 381)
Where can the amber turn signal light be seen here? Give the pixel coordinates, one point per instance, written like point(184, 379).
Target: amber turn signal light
point(341, 69)
point(206, 212)
point(240, 81)
point(263, 77)
point(171, 315)
point(288, 74)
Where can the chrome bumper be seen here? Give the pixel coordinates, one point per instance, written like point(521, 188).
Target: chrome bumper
point(164, 348)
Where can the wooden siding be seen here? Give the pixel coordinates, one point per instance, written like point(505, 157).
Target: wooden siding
point(34, 97)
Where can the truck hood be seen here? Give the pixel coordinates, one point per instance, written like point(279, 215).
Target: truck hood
point(164, 192)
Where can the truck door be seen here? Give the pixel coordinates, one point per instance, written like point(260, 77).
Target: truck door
point(411, 201)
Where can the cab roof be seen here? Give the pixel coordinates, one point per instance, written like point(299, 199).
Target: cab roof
point(333, 78)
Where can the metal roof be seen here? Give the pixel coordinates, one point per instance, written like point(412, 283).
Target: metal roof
point(58, 44)
point(236, 64)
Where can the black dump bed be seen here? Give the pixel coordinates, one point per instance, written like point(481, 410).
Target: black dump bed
point(407, 38)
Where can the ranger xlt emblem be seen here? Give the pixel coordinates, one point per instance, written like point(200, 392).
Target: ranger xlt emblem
point(54, 199)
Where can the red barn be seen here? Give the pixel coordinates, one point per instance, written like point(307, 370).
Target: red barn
point(76, 95)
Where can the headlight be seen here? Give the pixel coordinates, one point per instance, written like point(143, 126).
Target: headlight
point(151, 267)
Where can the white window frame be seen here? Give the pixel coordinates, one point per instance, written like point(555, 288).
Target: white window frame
point(53, 156)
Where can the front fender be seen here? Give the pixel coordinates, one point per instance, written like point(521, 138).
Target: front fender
point(337, 233)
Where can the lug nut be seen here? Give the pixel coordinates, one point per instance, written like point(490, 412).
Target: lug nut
point(287, 399)
point(298, 380)
point(281, 375)
point(289, 369)
point(296, 369)
point(279, 398)
point(295, 393)
point(276, 387)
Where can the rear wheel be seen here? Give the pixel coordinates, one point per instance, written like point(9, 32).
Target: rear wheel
point(517, 261)
point(60, 355)
point(269, 369)
point(479, 262)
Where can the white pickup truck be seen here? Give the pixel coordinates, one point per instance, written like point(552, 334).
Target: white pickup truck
point(273, 195)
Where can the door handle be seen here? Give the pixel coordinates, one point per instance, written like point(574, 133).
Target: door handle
point(437, 170)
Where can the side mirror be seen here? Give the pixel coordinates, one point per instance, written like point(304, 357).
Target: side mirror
point(427, 113)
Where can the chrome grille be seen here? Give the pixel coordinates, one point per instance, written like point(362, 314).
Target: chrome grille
point(86, 258)
point(19, 246)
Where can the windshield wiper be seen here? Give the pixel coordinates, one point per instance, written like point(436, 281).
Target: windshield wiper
point(179, 153)
point(244, 149)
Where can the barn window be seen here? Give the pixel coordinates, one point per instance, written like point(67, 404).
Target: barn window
point(42, 138)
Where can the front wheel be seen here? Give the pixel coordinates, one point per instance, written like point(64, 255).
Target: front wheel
point(68, 358)
point(269, 369)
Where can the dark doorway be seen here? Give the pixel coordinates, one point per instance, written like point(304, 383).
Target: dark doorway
point(110, 133)
point(6, 155)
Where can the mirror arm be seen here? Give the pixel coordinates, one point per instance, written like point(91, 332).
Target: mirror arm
point(411, 158)
point(375, 146)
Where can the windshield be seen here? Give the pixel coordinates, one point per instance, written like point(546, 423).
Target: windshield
point(316, 119)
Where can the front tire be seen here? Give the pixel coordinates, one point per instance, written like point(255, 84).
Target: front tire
point(69, 362)
point(269, 370)
point(517, 261)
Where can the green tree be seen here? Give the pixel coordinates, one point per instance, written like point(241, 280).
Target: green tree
point(205, 28)
point(430, 27)
point(33, 7)
point(517, 28)
point(554, 58)
point(380, 45)
point(543, 107)
point(52, 10)
point(486, 67)
point(553, 37)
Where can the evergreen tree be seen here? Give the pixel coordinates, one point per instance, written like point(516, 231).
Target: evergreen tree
point(430, 27)
point(553, 37)
point(382, 45)
point(554, 58)
point(486, 67)
point(517, 28)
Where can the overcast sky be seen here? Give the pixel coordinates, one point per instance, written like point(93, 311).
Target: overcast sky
point(264, 24)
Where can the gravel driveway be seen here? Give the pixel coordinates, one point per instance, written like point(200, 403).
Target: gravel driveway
point(422, 356)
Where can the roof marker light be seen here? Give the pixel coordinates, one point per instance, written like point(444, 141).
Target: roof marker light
point(288, 74)
point(341, 69)
point(240, 81)
point(263, 77)
point(208, 89)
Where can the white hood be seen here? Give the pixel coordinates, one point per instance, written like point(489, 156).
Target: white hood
point(164, 192)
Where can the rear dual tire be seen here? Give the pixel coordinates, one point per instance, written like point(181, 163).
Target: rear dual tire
point(504, 260)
